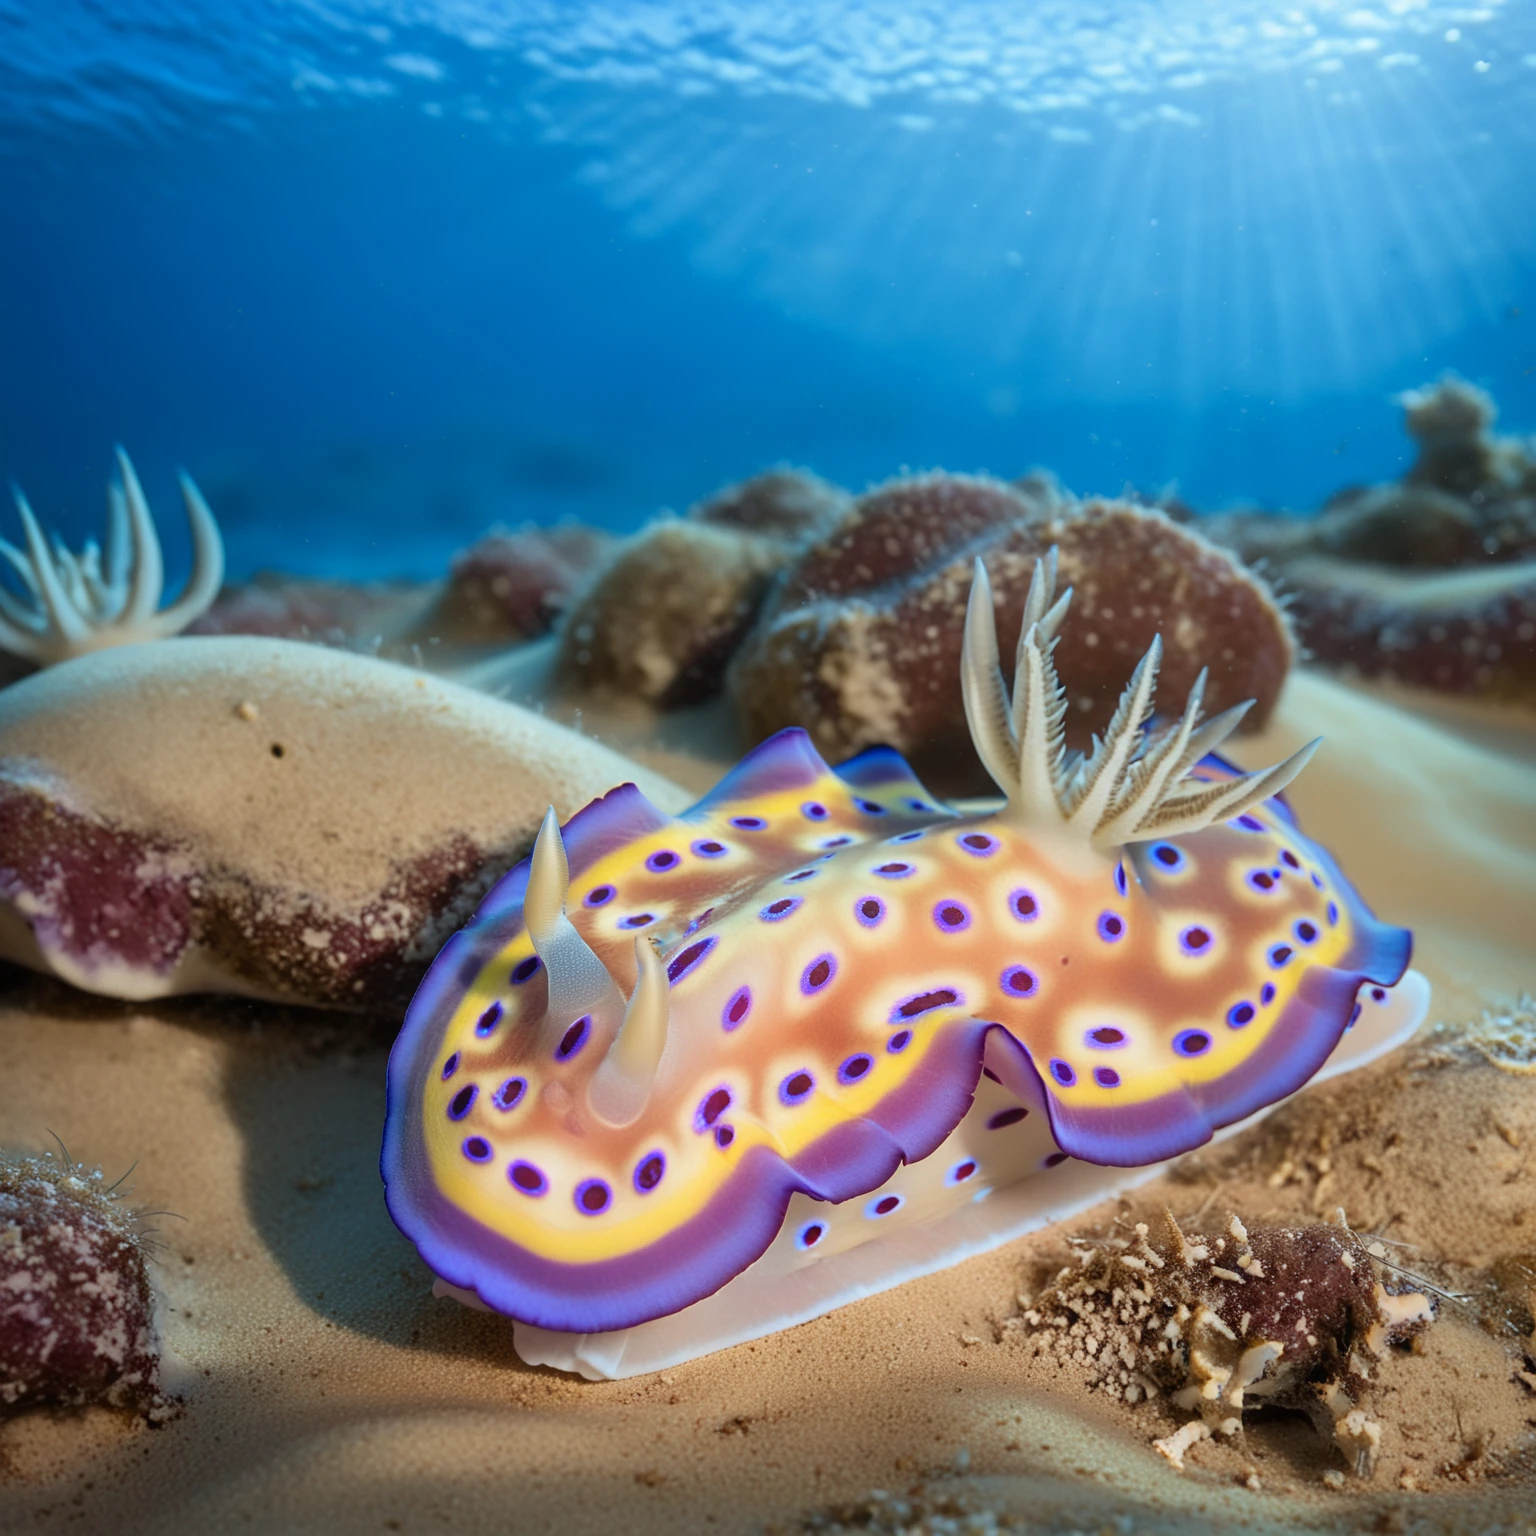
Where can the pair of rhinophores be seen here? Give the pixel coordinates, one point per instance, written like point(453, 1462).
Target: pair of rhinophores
point(687, 1080)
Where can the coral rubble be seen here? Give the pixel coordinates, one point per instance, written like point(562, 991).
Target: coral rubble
point(265, 818)
point(1290, 1317)
point(76, 604)
point(664, 615)
point(862, 637)
point(76, 1307)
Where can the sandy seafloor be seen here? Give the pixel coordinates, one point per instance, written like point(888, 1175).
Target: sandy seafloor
point(326, 1391)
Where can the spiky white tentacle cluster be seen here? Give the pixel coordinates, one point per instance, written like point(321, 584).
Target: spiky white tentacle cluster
point(1134, 784)
point(96, 599)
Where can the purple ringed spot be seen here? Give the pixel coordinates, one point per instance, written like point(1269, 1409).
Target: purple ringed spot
point(1289, 858)
point(1019, 981)
point(1062, 1072)
point(1195, 940)
point(818, 974)
point(1007, 1117)
point(1333, 913)
point(870, 807)
point(961, 1172)
point(663, 859)
point(637, 920)
point(450, 1066)
point(592, 1197)
point(599, 895)
point(488, 1020)
point(510, 1094)
point(462, 1102)
point(951, 916)
point(1306, 931)
point(574, 1038)
point(749, 823)
point(1168, 857)
point(856, 1067)
point(649, 1171)
point(798, 875)
point(809, 1235)
point(1122, 885)
point(524, 969)
point(708, 848)
point(796, 1088)
point(737, 1007)
point(1261, 880)
point(689, 959)
point(1280, 956)
point(924, 1002)
point(724, 1136)
point(909, 837)
point(895, 870)
point(777, 911)
point(1248, 824)
point(1105, 1037)
point(1267, 993)
point(1024, 906)
point(815, 810)
point(1111, 927)
point(527, 1178)
point(980, 845)
point(899, 1042)
point(1191, 1042)
point(1240, 1015)
point(1378, 994)
point(477, 1149)
point(836, 842)
point(870, 911)
point(711, 1107)
point(1106, 1077)
point(883, 1205)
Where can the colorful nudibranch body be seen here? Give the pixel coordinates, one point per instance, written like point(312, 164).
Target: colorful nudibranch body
point(685, 1080)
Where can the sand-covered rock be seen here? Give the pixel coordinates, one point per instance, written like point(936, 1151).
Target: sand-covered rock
point(862, 639)
point(266, 818)
point(77, 1321)
point(664, 616)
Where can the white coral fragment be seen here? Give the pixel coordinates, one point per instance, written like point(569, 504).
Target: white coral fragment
point(78, 603)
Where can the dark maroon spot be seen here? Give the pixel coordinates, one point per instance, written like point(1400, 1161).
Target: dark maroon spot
point(599, 895)
point(637, 920)
point(1062, 1072)
point(1191, 1042)
point(488, 1020)
point(527, 1178)
point(1306, 932)
point(924, 1002)
point(662, 859)
point(894, 870)
point(818, 973)
point(648, 1174)
point(870, 911)
point(1287, 857)
point(1279, 955)
point(462, 1101)
point(1240, 1014)
point(1261, 880)
point(1110, 927)
point(810, 1234)
point(524, 969)
point(961, 1172)
point(815, 810)
point(708, 848)
point(450, 1066)
point(1106, 1035)
point(593, 1197)
point(574, 1038)
point(1166, 854)
point(870, 807)
point(507, 1096)
point(1005, 1117)
point(885, 1206)
point(899, 1041)
point(854, 1068)
point(980, 844)
point(779, 909)
point(749, 823)
point(477, 1149)
point(1379, 994)
point(951, 916)
point(724, 1136)
point(1106, 1077)
point(1019, 981)
point(737, 1008)
point(1056, 1159)
point(686, 959)
point(1194, 941)
point(713, 1106)
point(795, 1087)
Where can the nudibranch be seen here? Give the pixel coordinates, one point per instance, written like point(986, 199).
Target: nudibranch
point(683, 1081)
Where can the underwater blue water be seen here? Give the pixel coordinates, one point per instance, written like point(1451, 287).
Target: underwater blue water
point(383, 272)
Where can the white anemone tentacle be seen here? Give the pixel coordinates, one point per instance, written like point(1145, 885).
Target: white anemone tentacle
point(73, 604)
point(1134, 785)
